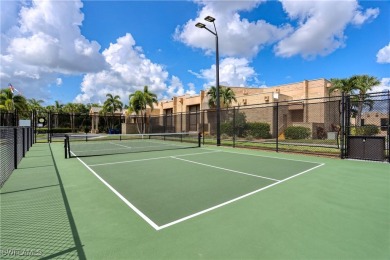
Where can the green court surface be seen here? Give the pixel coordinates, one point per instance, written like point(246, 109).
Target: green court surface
point(210, 202)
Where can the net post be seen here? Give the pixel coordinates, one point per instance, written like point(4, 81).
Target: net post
point(66, 146)
point(199, 139)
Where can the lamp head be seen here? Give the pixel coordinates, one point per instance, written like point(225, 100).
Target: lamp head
point(200, 25)
point(210, 19)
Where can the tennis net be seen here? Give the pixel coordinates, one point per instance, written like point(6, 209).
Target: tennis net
point(84, 145)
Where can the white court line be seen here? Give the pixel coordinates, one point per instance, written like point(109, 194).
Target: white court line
point(225, 169)
point(265, 156)
point(235, 199)
point(142, 215)
point(157, 228)
point(128, 147)
point(121, 145)
point(148, 159)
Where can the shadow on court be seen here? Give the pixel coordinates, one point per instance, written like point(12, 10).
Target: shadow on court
point(36, 220)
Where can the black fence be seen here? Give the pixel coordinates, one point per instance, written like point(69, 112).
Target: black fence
point(341, 126)
point(366, 131)
point(14, 144)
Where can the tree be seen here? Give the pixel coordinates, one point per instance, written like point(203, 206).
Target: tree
point(34, 104)
point(111, 105)
point(56, 109)
point(138, 102)
point(71, 108)
point(358, 86)
point(343, 85)
point(226, 95)
point(363, 84)
point(10, 102)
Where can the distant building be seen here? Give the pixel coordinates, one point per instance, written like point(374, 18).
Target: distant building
point(296, 107)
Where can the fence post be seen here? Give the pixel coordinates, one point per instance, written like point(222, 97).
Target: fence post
point(181, 122)
point(388, 126)
point(277, 126)
point(234, 127)
point(15, 147)
point(343, 116)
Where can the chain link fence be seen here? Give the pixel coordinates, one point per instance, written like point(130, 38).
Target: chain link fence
point(326, 126)
point(14, 144)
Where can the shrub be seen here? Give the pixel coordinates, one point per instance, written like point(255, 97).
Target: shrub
point(365, 130)
point(297, 132)
point(258, 130)
point(43, 130)
point(225, 136)
point(227, 128)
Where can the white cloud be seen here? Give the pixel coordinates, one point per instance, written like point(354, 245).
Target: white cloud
point(176, 88)
point(240, 37)
point(383, 55)
point(129, 70)
point(58, 81)
point(42, 41)
point(232, 72)
point(321, 25)
point(383, 87)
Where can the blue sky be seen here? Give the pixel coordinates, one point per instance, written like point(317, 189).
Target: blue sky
point(78, 51)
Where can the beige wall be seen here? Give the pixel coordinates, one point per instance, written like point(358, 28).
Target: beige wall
point(250, 96)
point(257, 103)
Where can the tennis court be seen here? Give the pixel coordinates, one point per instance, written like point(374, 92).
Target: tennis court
point(197, 202)
point(165, 188)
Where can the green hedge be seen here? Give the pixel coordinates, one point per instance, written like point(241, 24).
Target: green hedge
point(43, 130)
point(297, 132)
point(258, 130)
point(227, 128)
point(253, 130)
point(365, 130)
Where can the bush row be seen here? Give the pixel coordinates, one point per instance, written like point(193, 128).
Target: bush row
point(255, 130)
point(365, 130)
point(297, 132)
point(43, 130)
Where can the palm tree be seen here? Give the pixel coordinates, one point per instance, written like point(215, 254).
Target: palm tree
point(34, 104)
point(111, 105)
point(10, 102)
point(138, 102)
point(71, 109)
point(363, 84)
point(56, 109)
point(343, 85)
point(226, 94)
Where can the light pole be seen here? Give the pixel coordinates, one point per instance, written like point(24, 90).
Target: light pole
point(218, 107)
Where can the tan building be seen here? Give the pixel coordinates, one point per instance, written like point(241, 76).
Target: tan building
point(300, 104)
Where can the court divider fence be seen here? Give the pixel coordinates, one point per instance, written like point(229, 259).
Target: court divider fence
point(15, 142)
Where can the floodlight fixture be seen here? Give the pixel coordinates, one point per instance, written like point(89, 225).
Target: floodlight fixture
point(210, 19)
point(200, 25)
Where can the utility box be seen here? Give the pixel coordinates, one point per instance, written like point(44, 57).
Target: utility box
point(366, 147)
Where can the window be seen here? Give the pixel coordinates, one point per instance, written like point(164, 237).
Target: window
point(362, 122)
point(168, 119)
point(384, 124)
point(296, 116)
point(193, 117)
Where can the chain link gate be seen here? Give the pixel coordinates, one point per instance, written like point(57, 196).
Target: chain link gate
point(365, 131)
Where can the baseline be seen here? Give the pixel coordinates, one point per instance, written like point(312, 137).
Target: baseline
point(225, 169)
